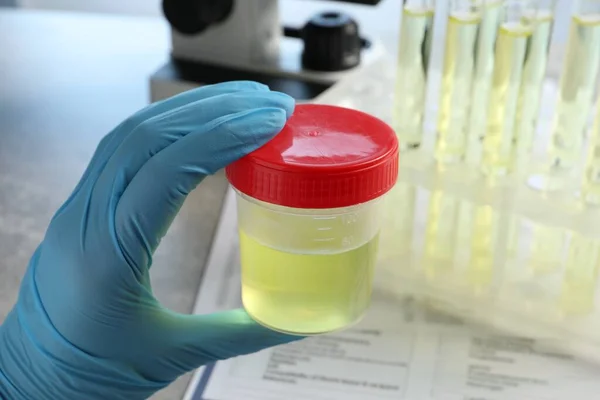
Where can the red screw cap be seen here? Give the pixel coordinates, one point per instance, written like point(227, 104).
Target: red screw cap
point(325, 157)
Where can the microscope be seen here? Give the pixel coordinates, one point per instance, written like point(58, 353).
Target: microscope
point(224, 40)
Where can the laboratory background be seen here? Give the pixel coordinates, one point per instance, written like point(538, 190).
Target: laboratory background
point(484, 278)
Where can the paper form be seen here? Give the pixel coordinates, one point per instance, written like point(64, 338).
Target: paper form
point(401, 350)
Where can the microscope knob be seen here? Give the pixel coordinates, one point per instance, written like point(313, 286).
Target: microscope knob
point(331, 42)
point(191, 17)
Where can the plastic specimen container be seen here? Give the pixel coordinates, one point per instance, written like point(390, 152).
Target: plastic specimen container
point(310, 206)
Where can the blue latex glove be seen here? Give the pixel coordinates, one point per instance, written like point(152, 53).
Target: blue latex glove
point(86, 325)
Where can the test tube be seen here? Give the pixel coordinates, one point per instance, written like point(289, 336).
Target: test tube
point(484, 237)
point(440, 233)
point(514, 237)
point(580, 277)
point(484, 67)
point(464, 18)
point(576, 87)
point(478, 228)
point(511, 47)
point(590, 191)
point(414, 53)
point(532, 80)
point(547, 248)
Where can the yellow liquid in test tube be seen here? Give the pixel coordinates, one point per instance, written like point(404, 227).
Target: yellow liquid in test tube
point(413, 59)
point(485, 227)
point(509, 60)
point(484, 66)
point(581, 274)
point(306, 293)
point(457, 80)
point(590, 191)
point(576, 90)
point(531, 87)
point(546, 249)
point(441, 234)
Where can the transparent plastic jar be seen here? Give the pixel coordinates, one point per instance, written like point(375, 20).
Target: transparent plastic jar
point(309, 215)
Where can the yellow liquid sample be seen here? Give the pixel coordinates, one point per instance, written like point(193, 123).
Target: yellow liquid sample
point(591, 180)
point(591, 184)
point(509, 60)
point(581, 274)
point(484, 66)
point(457, 79)
point(411, 86)
point(576, 91)
point(484, 237)
point(306, 294)
point(441, 234)
point(546, 249)
point(531, 88)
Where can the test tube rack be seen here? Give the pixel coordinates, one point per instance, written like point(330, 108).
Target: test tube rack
point(497, 251)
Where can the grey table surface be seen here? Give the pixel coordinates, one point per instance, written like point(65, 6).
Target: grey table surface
point(66, 79)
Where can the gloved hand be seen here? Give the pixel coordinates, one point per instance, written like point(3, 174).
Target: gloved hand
point(86, 325)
